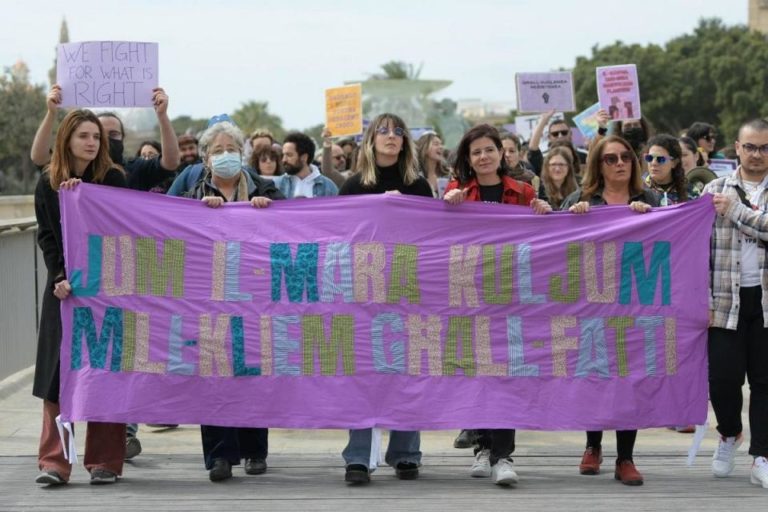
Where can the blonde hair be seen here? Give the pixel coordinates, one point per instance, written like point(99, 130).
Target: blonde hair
point(62, 166)
point(406, 160)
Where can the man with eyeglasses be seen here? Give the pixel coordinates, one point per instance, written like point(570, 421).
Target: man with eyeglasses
point(738, 334)
point(557, 131)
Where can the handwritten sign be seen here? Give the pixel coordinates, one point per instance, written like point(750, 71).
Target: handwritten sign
point(524, 126)
point(107, 73)
point(618, 91)
point(344, 110)
point(356, 319)
point(542, 92)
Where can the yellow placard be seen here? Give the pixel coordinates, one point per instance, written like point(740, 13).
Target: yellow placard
point(344, 110)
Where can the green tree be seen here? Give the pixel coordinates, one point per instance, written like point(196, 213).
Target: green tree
point(22, 106)
point(398, 70)
point(255, 115)
point(186, 124)
point(717, 74)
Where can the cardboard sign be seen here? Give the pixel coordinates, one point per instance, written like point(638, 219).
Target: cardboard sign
point(107, 73)
point(586, 121)
point(542, 92)
point(524, 126)
point(618, 91)
point(723, 166)
point(344, 110)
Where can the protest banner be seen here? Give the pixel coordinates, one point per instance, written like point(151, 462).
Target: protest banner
point(107, 73)
point(542, 92)
point(344, 110)
point(586, 121)
point(239, 316)
point(618, 91)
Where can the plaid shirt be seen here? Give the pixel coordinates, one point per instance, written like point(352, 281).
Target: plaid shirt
point(725, 259)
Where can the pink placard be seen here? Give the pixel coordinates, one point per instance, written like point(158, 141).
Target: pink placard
point(618, 91)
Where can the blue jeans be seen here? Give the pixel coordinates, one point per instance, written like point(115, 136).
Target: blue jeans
point(403, 447)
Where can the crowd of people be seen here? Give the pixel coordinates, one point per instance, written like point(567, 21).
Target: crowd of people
point(625, 164)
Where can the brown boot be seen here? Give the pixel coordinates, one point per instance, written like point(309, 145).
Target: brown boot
point(590, 461)
point(628, 473)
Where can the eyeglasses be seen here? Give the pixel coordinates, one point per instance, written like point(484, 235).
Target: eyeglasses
point(659, 158)
point(613, 159)
point(559, 133)
point(752, 149)
point(383, 130)
point(709, 137)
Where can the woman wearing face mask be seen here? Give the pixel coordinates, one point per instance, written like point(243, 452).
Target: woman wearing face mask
point(636, 132)
point(483, 176)
point(148, 150)
point(512, 156)
point(612, 177)
point(224, 180)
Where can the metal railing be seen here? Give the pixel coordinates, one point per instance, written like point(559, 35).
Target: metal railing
point(22, 277)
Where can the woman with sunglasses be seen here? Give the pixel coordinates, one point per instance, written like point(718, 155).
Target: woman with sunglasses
point(612, 177)
point(482, 175)
point(666, 176)
point(705, 136)
point(386, 164)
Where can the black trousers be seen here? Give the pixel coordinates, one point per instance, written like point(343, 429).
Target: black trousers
point(501, 442)
point(732, 356)
point(233, 444)
point(625, 442)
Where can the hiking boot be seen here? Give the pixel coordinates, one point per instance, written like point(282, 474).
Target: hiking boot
point(627, 473)
point(590, 461)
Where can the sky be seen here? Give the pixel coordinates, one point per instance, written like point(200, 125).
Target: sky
point(214, 56)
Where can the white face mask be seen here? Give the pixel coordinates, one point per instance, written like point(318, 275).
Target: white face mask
point(226, 165)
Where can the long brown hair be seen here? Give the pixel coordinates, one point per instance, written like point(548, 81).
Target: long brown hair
point(406, 160)
point(593, 177)
point(423, 146)
point(62, 166)
point(556, 194)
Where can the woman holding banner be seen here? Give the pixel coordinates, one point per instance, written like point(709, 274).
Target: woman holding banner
point(225, 180)
point(386, 165)
point(80, 154)
point(613, 177)
point(482, 175)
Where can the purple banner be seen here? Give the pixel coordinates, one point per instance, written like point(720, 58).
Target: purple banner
point(106, 73)
point(389, 311)
point(618, 91)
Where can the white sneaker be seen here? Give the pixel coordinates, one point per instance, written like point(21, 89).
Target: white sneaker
point(759, 474)
point(504, 473)
point(723, 461)
point(482, 466)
